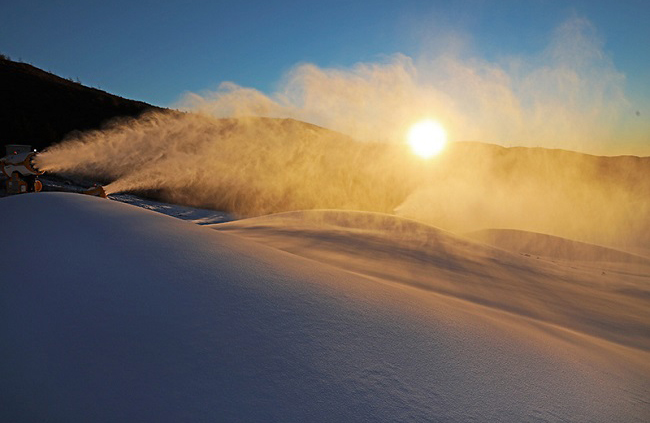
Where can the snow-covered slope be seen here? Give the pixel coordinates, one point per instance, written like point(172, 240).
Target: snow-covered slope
point(110, 312)
point(604, 299)
point(552, 246)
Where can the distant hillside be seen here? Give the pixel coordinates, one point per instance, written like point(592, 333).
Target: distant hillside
point(39, 108)
point(594, 199)
point(524, 242)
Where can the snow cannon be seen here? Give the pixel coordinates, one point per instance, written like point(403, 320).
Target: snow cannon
point(18, 165)
point(97, 191)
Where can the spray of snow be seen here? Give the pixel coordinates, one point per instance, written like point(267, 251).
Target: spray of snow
point(237, 153)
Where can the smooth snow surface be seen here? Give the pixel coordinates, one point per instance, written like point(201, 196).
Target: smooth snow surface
point(110, 312)
point(608, 300)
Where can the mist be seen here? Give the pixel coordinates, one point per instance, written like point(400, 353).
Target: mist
point(248, 166)
point(569, 95)
point(240, 150)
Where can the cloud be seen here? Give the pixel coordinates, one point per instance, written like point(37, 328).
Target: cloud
point(569, 95)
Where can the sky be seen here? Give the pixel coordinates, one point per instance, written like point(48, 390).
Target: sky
point(159, 51)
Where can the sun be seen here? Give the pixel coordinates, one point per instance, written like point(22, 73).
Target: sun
point(427, 138)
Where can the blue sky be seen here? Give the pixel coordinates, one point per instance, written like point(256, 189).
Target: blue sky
point(158, 51)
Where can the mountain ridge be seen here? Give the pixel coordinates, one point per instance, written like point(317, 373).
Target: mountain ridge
point(40, 108)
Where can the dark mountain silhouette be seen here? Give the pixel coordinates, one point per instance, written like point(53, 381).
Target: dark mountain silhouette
point(40, 108)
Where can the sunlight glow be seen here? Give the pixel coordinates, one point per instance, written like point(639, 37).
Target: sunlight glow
point(427, 138)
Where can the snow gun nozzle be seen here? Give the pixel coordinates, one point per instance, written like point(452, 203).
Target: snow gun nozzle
point(97, 191)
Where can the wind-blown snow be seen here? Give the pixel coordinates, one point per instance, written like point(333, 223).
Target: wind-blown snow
point(110, 312)
point(607, 299)
point(552, 246)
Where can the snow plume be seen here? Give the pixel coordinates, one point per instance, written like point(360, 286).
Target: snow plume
point(254, 166)
point(248, 166)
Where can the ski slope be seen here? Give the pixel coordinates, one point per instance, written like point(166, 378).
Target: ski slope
point(110, 312)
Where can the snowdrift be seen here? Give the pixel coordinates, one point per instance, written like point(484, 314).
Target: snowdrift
point(552, 246)
point(129, 315)
point(604, 299)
